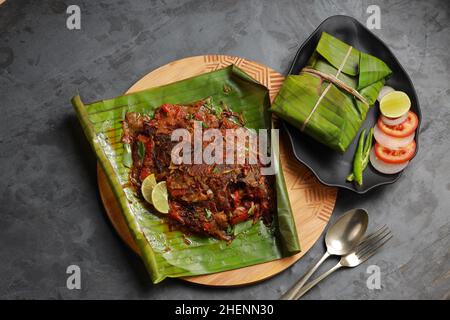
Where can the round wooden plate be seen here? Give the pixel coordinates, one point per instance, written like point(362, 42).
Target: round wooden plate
point(312, 202)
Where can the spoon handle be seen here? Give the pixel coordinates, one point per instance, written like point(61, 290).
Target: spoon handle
point(292, 292)
point(306, 288)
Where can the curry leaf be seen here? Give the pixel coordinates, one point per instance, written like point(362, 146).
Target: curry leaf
point(141, 150)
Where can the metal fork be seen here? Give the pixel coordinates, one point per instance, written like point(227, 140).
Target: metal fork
point(367, 248)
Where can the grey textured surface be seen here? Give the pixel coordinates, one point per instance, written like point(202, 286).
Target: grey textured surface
point(50, 213)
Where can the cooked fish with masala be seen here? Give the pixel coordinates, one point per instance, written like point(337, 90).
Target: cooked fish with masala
point(208, 199)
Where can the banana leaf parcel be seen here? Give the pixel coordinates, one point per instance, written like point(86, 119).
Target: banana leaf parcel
point(330, 97)
point(170, 253)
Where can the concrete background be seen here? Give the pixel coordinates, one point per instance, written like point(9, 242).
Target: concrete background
point(50, 212)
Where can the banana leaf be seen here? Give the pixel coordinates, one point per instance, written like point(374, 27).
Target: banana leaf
point(328, 108)
point(170, 253)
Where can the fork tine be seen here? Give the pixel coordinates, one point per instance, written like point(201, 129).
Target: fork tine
point(373, 243)
point(374, 249)
point(374, 234)
point(373, 239)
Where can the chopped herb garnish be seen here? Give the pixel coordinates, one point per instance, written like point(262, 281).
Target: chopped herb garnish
point(190, 116)
point(251, 211)
point(212, 107)
point(208, 103)
point(235, 120)
point(141, 150)
point(216, 170)
point(226, 88)
point(218, 111)
point(208, 213)
point(230, 229)
point(224, 106)
point(204, 125)
point(127, 159)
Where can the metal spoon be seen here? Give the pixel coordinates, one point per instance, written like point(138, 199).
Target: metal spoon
point(341, 238)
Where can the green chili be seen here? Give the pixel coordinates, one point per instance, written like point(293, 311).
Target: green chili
point(357, 162)
point(367, 148)
point(365, 155)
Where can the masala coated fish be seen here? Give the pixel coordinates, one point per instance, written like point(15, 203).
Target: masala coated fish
point(207, 199)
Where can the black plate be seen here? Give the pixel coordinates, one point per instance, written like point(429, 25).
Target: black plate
point(329, 166)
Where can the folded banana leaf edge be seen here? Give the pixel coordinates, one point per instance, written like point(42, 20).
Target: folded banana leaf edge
point(171, 253)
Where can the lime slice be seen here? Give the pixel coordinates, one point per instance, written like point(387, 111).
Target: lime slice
point(160, 197)
point(395, 104)
point(147, 187)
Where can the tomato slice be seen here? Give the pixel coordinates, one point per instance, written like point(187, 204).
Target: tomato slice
point(401, 130)
point(395, 156)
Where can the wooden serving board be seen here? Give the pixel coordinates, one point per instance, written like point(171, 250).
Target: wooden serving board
point(312, 202)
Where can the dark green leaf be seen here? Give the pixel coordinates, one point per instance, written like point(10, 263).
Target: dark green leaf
point(336, 120)
point(324, 66)
point(334, 51)
point(371, 70)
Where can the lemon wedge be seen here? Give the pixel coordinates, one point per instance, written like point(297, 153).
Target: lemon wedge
point(395, 104)
point(147, 187)
point(160, 197)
